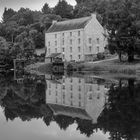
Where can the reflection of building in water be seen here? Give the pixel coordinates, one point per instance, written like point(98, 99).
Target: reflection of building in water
point(95, 90)
point(76, 96)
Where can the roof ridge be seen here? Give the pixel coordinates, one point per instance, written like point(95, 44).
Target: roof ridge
point(71, 24)
point(73, 19)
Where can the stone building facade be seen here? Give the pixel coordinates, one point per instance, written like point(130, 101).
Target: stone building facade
point(77, 39)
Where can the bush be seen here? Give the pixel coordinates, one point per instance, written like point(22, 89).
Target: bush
point(100, 56)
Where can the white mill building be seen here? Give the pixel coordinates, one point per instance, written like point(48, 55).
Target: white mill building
point(78, 39)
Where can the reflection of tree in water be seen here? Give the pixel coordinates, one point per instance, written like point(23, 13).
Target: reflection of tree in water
point(63, 121)
point(121, 116)
point(24, 99)
point(4, 84)
point(86, 127)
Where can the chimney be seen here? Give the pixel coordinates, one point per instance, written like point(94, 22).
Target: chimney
point(54, 21)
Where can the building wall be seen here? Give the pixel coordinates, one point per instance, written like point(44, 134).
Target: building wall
point(69, 93)
point(94, 39)
point(75, 46)
point(67, 43)
point(78, 93)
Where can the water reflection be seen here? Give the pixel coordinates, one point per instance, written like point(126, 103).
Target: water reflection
point(91, 103)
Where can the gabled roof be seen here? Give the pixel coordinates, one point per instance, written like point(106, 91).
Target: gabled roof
point(69, 111)
point(54, 55)
point(73, 24)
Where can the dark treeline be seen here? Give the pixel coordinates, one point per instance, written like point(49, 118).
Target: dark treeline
point(23, 30)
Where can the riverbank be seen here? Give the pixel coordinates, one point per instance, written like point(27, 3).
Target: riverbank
point(112, 66)
point(105, 67)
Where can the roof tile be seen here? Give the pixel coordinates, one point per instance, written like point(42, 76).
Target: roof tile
point(73, 24)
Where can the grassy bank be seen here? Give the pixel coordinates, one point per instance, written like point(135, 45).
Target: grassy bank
point(113, 66)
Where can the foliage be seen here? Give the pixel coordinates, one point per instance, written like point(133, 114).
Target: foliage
point(121, 114)
point(8, 13)
point(63, 9)
point(121, 22)
point(46, 9)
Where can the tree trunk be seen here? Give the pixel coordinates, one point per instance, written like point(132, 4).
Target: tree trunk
point(120, 56)
point(131, 87)
point(130, 57)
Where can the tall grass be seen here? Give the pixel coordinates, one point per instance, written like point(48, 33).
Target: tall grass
point(111, 67)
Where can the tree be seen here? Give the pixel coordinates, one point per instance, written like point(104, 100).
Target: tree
point(23, 17)
point(46, 9)
point(8, 13)
point(121, 115)
point(81, 11)
point(63, 9)
point(46, 20)
point(121, 22)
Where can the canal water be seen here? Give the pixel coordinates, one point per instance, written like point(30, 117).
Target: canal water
point(72, 107)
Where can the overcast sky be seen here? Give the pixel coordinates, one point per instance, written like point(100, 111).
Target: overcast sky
point(32, 4)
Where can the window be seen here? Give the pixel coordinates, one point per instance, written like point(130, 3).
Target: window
point(71, 103)
point(89, 40)
point(63, 56)
point(70, 49)
point(98, 49)
point(49, 43)
point(63, 49)
point(90, 49)
point(56, 100)
point(55, 50)
point(49, 51)
point(98, 41)
point(63, 87)
point(55, 42)
point(90, 88)
point(71, 87)
point(71, 95)
point(71, 80)
point(70, 33)
point(70, 41)
point(56, 93)
point(63, 42)
point(63, 101)
point(79, 56)
point(98, 88)
point(70, 57)
point(79, 88)
point(79, 80)
point(79, 96)
point(79, 49)
point(78, 33)
point(49, 92)
point(79, 41)
point(63, 34)
point(63, 96)
point(49, 85)
point(55, 35)
point(79, 104)
point(63, 80)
